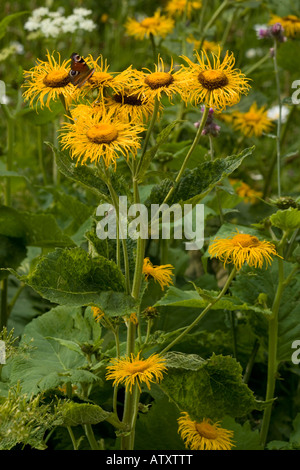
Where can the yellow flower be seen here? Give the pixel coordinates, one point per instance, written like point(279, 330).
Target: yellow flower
point(208, 46)
point(178, 7)
point(162, 274)
point(103, 80)
point(136, 370)
point(156, 25)
point(97, 313)
point(100, 136)
point(49, 79)
point(241, 248)
point(127, 105)
point(245, 191)
point(253, 122)
point(290, 24)
point(161, 82)
point(205, 435)
point(214, 83)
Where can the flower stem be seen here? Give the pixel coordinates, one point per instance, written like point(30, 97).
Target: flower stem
point(278, 150)
point(272, 350)
point(188, 155)
point(202, 314)
point(211, 21)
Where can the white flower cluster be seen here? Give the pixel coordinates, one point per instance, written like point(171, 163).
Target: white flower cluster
point(52, 24)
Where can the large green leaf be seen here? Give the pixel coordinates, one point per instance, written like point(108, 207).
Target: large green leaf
point(197, 182)
point(200, 298)
point(71, 276)
point(75, 414)
point(210, 388)
point(286, 220)
point(251, 285)
point(49, 363)
point(34, 229)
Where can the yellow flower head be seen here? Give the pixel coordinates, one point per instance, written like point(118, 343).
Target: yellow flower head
point(208, 46)
point(215, 83)
point(245, 191)
point(127, 105)
point(205, 435)
point(100, 136)
point(48, 79)
point(253, 122)
point(136, 370)
point(243, 248)
point(162, 274)
point(156, 25)
point(161, 82)
point(290, 24)
point(178, 7)
point(98, 314)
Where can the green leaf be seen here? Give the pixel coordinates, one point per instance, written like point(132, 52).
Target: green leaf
point(72, 276)
point(34, 229)
point(197, 182)
point(200, 298)
point(48, 363)
point(286, 220)
point(75, 414)
point(8, 19)
point(249, 287)
point(84, 175)
point(12, 253)
point(210, 388)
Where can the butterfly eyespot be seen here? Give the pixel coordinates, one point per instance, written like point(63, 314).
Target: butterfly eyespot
point(73, 73)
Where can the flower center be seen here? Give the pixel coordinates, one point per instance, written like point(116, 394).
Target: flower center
point(252, 117)
point(56, 79)
point(206, 430)
point(159, 79)
point(100, 77)
point(132, 100)
point(213, 79)
point(149, 23)
point(102, 133)
point(291, 19)
point(137, 366)
point(245, 240)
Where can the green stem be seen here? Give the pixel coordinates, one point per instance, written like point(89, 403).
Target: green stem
point(212, 154)
point(202, 314)
point(272, 351)
point(40, 154)
point(257, 64)
point(72, 437)
point(278, 150)
point(91, 437)
point(211, 21)
point(153, 45)
point(4, 308)
point(188, 155)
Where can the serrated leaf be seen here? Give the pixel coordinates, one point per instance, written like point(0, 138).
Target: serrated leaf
point(48, 363)
point(286, 220)
point(197, 182)
point(34, 229)
point(210, 388)
point(73, 277)
point(75, 414)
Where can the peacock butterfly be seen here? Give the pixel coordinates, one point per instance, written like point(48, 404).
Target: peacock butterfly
point(80, 72)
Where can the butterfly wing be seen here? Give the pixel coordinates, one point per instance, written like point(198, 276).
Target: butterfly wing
point(80, 72)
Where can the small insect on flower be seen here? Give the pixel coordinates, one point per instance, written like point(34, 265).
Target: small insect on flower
point(156, 25)
point(136, 370)
point(254, 122)
point(100, 137)
point(243, 248)
point(213, 82)
point(48, 79)
point(204, 435)
point(162, 274)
